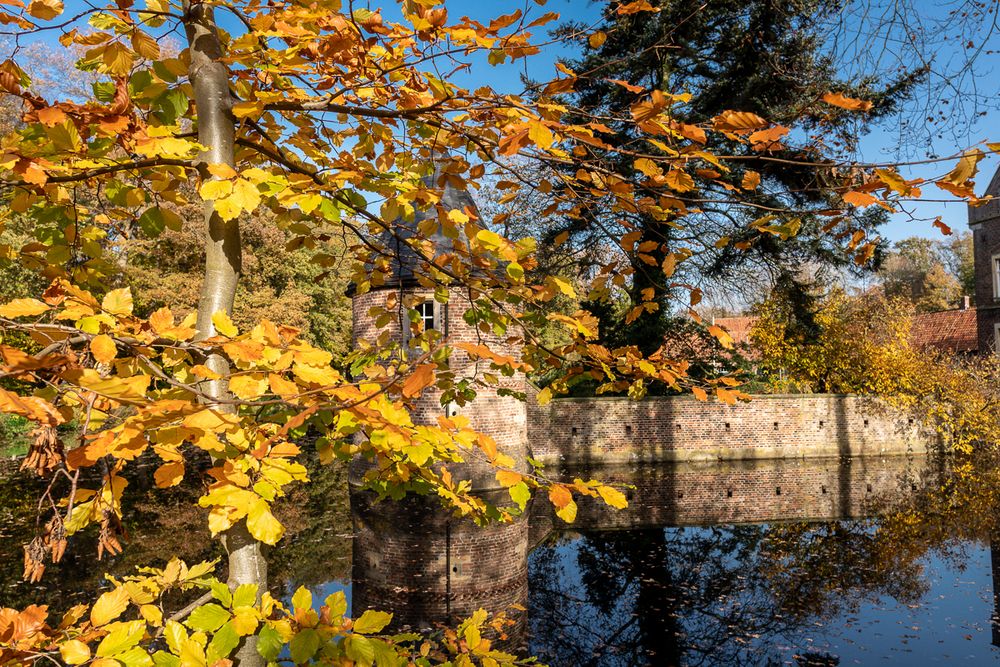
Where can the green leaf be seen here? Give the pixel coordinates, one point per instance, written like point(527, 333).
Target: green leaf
point(337, 603)
point(221, 592)
point(245, 596)
point(175, 635)
point(135, 657)
point(122, 637)
point(520, 494)
point(223, 643)
point(207, 618)
point(269, 643)
point(164, 659)
point(302, 599)
point(304, 645)
point(372, 621)
point(360, 650)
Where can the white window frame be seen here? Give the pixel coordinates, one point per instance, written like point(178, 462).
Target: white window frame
point(995, 275)
point(996, 337)
point(428, 314)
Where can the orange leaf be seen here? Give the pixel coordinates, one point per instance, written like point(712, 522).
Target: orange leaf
point(699, 393)
point(560, 496)
point(169, 474)
point(844, 102)
point(421, 378)
point(22, 308)
point(103, 348)
point(859, 199)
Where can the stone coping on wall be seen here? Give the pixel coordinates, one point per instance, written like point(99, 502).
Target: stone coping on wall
point(606, 430)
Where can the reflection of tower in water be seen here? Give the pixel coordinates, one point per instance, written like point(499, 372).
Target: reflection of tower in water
point(427, 567)
point(412, 557)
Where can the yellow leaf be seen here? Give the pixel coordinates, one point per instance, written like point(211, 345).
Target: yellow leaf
point(613, 497)
point(648, 167)
point(245, 195)
point(224, 325)
point(563, 286)
point(210, 420)
point(567, 513)
point(597, 39)
point(421, 378)
point(118, 302)
point(544, 396)
point(699, 393)
point(22, 308)
point(109, 606)
point(540, 135)
point(103, 348)
point(216, 189)
point(722, 335)
point(248, 387)
point(262, 524)
point(74, 652)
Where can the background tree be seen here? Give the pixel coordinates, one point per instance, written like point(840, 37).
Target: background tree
point(928, 273)
point(764, 57)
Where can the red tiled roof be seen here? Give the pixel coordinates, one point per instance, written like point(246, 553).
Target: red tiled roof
point(947, 330)
point(738, 327)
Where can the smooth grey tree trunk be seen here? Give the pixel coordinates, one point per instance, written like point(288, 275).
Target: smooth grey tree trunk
point(223, 263)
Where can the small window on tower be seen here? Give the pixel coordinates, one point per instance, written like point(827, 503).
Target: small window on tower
point(426, 310)
point(996, 276)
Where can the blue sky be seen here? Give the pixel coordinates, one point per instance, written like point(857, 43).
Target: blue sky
point(881, 145)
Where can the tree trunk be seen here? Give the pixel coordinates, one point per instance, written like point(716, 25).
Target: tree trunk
point(223, 262)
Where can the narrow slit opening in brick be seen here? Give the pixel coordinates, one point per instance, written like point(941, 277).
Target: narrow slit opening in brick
point(729, 493)
point(775, 426)
point(822, 490)
point(777, 491)
point(727, 426)
point(628, 430)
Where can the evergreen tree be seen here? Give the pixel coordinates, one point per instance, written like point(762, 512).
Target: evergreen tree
point(762, 56)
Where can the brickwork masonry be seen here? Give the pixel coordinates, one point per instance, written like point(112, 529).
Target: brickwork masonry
point(583, 431)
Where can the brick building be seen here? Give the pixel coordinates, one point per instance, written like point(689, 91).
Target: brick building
point(985, 223)
point(431, 566)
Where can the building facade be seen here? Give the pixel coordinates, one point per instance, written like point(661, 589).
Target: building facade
point(431, 566)
point(985, 224)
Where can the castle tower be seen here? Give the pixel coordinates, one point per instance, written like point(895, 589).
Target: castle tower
point(412, 556)
point(985, 224)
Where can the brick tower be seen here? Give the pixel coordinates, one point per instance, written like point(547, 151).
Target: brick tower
point(412, 557)
point(985, 223)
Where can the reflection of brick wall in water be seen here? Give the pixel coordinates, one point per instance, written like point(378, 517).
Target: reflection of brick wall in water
point(682, 428)
point(746, 492)
point(428, 567)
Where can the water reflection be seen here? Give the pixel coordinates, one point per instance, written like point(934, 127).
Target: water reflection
point(782, 562)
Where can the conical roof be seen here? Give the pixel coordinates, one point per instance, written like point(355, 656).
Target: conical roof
point(406, 261)
point(990, 210)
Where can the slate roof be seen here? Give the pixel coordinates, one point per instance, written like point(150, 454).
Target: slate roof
point(407, 261)
point(946, 330)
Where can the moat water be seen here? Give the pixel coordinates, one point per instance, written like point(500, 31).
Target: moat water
point(822, 562)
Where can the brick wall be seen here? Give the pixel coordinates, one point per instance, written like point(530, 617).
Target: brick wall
point(608, 430)
point(415, 558)
point(502, 417)
point(753, 491)
point(986, 243)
